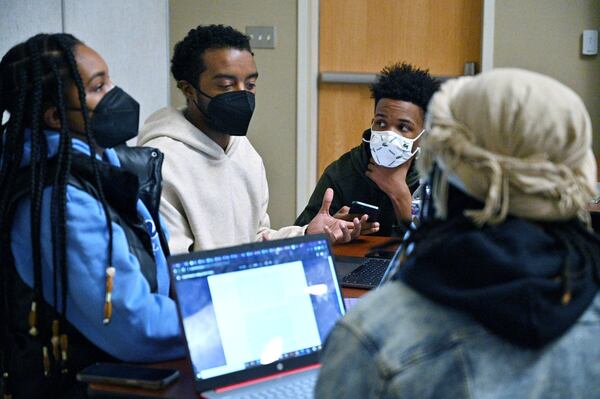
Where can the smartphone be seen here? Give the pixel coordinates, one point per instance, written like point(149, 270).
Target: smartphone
point(361, 208)
point(128, 374)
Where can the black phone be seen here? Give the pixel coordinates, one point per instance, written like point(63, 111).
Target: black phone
point(128, 374)
point(358, 209)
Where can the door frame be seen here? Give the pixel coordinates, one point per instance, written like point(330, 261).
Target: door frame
point(307, 70)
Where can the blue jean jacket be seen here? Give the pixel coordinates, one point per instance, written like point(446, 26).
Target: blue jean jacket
point(395, 343)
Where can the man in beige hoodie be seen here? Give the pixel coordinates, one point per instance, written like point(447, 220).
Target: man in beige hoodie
point(215, 191)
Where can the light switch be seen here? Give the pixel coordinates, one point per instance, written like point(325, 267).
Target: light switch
point(261, 36)
point(589, 42)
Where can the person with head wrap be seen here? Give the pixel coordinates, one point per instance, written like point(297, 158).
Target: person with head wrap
point(495, 294)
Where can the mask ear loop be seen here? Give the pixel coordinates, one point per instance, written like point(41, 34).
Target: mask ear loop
point(418, 135)
point(371, 130)
point(198, 107)
point(203, 93)
point(416, 152)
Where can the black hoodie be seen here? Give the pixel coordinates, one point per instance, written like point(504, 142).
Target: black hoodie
point(347, 178)
point(527, 282)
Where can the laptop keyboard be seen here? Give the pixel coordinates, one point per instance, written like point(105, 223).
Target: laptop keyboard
point(367, 275)
point(299, 388)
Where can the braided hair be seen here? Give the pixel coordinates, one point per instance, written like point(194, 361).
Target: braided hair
point(33, 76)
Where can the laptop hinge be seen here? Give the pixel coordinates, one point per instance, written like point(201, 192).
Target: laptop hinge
point(267, 378)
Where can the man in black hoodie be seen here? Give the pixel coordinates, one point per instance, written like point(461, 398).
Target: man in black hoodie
point(496, 292)
point(366, 173)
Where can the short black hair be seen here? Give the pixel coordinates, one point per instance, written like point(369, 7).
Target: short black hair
point(187, 63)
point(404, 82)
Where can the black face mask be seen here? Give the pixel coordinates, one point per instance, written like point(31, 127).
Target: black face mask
point(115, 119)
point(229, 112)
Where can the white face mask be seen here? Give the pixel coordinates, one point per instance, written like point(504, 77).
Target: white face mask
point(391, 149)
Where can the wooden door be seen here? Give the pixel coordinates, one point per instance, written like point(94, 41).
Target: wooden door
point(366, 35)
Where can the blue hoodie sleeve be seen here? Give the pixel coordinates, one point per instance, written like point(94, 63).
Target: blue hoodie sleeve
point(144, 327)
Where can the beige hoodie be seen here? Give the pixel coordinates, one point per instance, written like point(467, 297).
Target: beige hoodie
point(210, 198)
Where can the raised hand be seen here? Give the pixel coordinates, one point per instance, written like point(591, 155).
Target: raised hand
point(337, 230)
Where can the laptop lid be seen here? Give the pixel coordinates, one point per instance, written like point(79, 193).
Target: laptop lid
point(256, 310)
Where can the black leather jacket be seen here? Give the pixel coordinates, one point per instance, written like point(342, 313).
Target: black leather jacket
point(146, 164)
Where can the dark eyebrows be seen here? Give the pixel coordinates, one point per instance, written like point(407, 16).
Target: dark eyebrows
point(223, 76)
point(403, 120)
point(94, 76)
point(231, 77)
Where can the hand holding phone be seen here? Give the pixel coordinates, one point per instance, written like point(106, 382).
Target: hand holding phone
point(357, 209)
point(128, 374)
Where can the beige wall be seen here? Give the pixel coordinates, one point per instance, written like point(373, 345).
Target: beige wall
point(545, 36)
point(273, 127)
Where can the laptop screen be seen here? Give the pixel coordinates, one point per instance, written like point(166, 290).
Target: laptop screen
point(257, 304)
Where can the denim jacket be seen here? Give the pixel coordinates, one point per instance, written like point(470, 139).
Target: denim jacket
point(396, 343)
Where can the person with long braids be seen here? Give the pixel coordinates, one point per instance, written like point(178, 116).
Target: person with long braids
point(83, 255)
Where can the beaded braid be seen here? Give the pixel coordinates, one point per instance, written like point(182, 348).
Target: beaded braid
point(36, 183)
point(26, 86)
point(12, 153)
point(92, 144)
point(59, 214)
point(22, 71)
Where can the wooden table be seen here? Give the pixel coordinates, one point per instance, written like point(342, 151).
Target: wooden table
point(184, 387)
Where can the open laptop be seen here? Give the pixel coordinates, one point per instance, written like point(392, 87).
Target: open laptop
point(255, 316)
point(366, 272)
point(360, 272)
